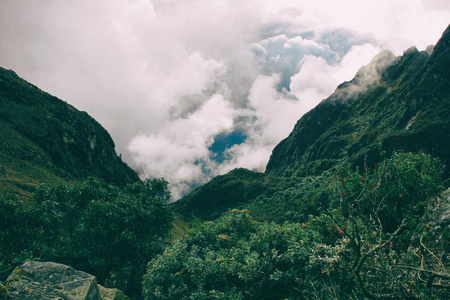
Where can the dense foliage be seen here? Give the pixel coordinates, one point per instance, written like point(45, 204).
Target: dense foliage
point(382, 216)
point(109, 232)
point(233, 258)
point(376, 236)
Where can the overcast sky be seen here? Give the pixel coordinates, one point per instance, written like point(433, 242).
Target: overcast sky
point(190, 89)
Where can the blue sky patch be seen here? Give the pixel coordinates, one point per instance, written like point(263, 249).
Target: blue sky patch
point(224, 141)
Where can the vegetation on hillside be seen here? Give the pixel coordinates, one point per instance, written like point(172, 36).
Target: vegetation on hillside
point(377, 237)
point(406, 111)
point(44, 140)
point(109, 232)
point(232, 190)
point(365, 234)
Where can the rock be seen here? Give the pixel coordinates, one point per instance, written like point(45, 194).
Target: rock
point(34, 280)
point(111, 294)
point(38, 280)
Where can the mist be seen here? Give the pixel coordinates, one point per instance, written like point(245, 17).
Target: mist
point(171, 80)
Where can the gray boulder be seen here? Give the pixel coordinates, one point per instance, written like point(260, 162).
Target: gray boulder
point(47, 280)
point(111, 294)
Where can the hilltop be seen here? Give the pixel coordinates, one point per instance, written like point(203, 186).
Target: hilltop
point(45, 140)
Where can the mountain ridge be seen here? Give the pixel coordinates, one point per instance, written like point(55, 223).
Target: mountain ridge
point(404, 110)
point(391, 115)
point(45, 140)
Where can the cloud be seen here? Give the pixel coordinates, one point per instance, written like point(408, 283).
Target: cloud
point(395, 25)
point(167, 78)
point(281, 54)
point(317, 79)
point(274, 114)
point(270, 117)
point(179, 152)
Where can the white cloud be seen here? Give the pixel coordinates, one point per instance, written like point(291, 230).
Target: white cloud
point(178, 152)
point(317, 79)
point(164, 77)
point(272, 116)
point(395, 25)
point(281, 54)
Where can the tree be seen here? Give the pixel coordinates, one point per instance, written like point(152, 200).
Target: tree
point(109, 232)
point(376, 238)
point(235, 257)
point(380, 215)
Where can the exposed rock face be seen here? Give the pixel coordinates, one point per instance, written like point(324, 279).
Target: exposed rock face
point(441, 212)
point(47, 280)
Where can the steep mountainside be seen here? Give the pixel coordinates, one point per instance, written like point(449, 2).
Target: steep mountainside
point(45, 140)
point(406, 110)
point(394, 104)
point(231, 190)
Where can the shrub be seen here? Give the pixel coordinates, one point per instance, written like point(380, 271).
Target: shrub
point(234, 258)
point(14, 234)
point(109, 232)
point(380, 215)
point(372, 240)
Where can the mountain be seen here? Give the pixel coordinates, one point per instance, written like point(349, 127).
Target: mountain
point(394, 104)
point(45, 140)
point(236, 188)
point(406, 110)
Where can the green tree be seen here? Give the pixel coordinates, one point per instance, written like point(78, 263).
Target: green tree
point(379, 214)
point(99, 228)
point(234, 257)
point(14, 233)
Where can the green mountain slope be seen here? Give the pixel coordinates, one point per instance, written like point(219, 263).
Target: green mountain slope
point(45, 140)
point(407, 111)
point(232, 190)
point(395, 104)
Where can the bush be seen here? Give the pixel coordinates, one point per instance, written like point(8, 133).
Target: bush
point(14, 234)
point(236, 258)
point(380, 215)
point(372, 240)
point(109, 232)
